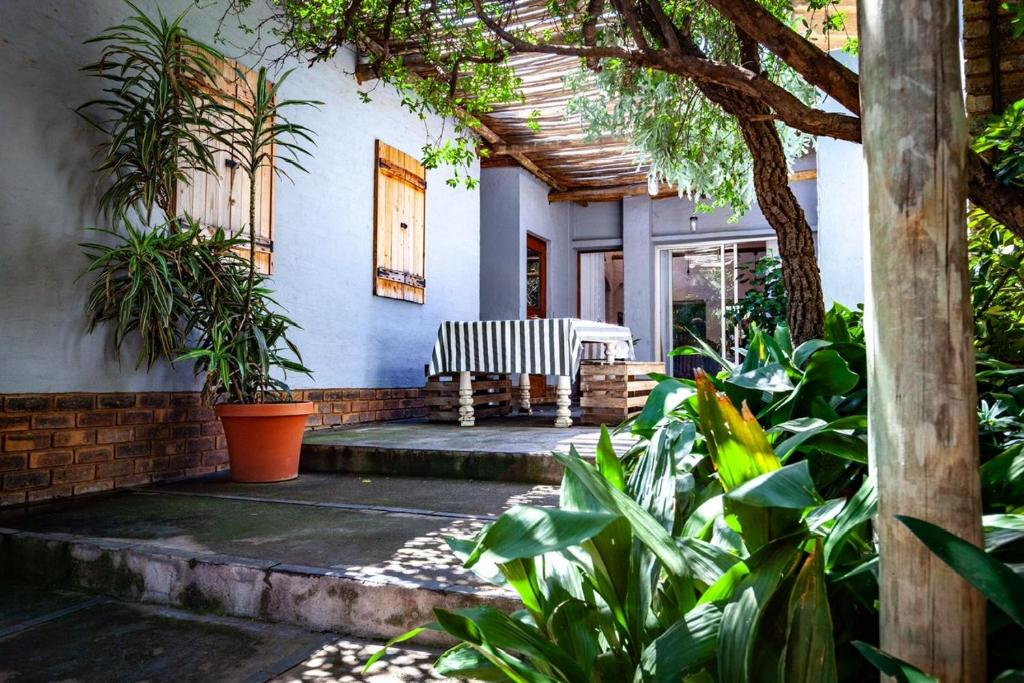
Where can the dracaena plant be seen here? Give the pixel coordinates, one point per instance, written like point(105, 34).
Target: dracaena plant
point(180, 289)
point(154, 111)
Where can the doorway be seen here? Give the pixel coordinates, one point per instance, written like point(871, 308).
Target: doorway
point(537, 301)
point(600, 294)
point(701, 284)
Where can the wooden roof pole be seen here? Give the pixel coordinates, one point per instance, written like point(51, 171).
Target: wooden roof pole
point(923, 425)
point(613, 192)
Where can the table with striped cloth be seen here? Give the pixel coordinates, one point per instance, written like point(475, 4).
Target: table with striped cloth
point(543, 346)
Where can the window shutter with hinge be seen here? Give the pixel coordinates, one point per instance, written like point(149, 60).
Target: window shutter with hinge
point(222, 200)
point(400, 187)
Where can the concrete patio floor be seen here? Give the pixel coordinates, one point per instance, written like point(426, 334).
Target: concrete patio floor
point(61, 635)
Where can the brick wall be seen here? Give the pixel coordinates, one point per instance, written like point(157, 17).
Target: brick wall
point(979, 45)
point(61, 445)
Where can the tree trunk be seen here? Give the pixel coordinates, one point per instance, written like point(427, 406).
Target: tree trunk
point(806, 311)
point(922, 419)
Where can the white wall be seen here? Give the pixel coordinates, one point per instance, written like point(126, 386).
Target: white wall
point(514, 204)
point(842, 212)
point(324, 222)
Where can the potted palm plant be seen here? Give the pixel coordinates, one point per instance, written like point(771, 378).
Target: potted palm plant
point(180, 290)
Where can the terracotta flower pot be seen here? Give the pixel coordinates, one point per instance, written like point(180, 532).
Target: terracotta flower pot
point(264, 439)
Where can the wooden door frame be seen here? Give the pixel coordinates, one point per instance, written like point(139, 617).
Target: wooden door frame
point(540, 246)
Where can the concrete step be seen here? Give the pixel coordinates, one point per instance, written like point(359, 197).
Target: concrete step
point(60, 635)
point(359, 555)
point(499, 449)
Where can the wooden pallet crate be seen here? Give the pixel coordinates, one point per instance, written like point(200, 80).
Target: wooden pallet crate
point(611, 393)
point(492, 396)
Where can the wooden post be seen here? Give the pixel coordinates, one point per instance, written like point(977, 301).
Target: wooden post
point(923, 424)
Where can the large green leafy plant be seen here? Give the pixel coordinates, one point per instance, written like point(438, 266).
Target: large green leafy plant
point(177, 290)
point(733, 544)
point(764, 302)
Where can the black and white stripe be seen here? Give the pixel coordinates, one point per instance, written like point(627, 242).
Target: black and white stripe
point(551, 346)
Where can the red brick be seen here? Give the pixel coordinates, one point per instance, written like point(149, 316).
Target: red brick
point(222, 442)
point(135, 417)
point(50, 458)
point(172, 447)
point(75, 402)
point(360, 406)
point(212, 428)
point(366, 393)
point(30, 479)
point(114, 435)
point(12, 498)
point(75, 437)
point(136, 449)
point(313, 395)
point(73, 474)
point(197, 471)
point(333, 395)
point(27, 403)
point(132, 480)
point(10, 423)
point(94, 487)
point(114, 469)
point(314, 420)
point(341, 406)
point(186, 400)
point(201, 414)
point(153, 400)
point(177, 462)
point(26, 441)
point(115, 400)
point(185, 431)
point(323, 407)
point(99, 454)
point(148, 432)
point(97, 419)
point(204, 443)
point(170, 415)
point(50, 493)
point(13, 461)
point(215, 458)
point(349, 418)
point(53, 421)
point(331, 419)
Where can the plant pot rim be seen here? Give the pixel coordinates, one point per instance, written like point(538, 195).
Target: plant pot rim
point(264, 409)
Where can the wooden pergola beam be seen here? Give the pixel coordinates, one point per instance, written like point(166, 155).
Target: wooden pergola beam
point(614, 192)
point(478, 126)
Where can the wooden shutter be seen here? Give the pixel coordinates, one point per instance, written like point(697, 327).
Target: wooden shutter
point(399, 268)
point(222, 200)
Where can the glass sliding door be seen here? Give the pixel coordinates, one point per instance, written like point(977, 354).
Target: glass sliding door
point(703, 282)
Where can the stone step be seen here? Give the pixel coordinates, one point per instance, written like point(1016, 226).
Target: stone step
point(51, 634)
point(500, 449)
point(358, 555)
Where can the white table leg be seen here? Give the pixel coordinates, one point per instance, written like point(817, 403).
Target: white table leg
point(466, 417)
point(524, 394)
point(563, 416)
point(609, 351)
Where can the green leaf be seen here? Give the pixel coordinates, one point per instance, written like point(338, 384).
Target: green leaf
point(997, 581)
point(608, 463)
point(772, 377)
point(526, 531)
point(464, 662)
point(668, 395)
point(890, 666)
point(809, 655)
point(683, 649)
point(828, 374)
point(790, 487)
point(861, 507)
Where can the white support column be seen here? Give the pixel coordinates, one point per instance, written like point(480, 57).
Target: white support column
point(466, 417)
point(524, 394)
point(563, 416)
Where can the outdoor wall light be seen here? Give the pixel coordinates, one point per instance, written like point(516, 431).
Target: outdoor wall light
point(652, 185)
point(693, 224)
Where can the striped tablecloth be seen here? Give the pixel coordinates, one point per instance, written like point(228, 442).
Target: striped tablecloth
point(544, 346)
